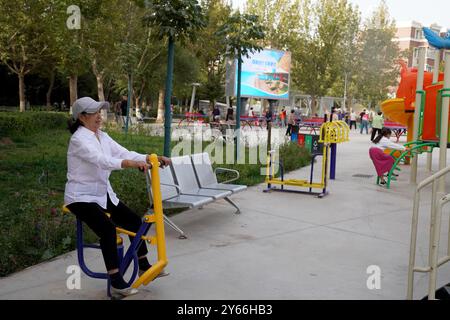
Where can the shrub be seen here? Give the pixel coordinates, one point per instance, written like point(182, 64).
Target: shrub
point(293, 156)
point(25, 123)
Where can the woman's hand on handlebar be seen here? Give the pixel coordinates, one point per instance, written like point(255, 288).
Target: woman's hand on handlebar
point(141, 165)
point(164, 161)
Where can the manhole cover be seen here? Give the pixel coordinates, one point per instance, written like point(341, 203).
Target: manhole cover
point(365, 176)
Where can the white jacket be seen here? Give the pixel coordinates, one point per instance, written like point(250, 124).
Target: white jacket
point(386, 143)
point(89, 164)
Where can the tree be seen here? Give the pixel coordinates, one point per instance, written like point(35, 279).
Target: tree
point(243, 34)
point(210, 51)
point(25, 29)
point(174, 19)
point(73, 55)
point(281, 18)
point(105, 31)
point(377, 55)
point(318, 51)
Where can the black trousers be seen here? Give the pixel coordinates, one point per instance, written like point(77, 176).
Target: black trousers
point(374, 132)
point(105, 228)
point(352, 122)
point(289, 130)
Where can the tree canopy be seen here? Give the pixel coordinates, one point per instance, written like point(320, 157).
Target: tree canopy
point(328, 42)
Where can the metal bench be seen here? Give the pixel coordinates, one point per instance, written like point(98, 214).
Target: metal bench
point(207, 178)
point(180, 187)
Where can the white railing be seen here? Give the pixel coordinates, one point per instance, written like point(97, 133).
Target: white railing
point(435, 229)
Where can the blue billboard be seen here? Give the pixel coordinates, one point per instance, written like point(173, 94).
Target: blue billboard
point(265, 74)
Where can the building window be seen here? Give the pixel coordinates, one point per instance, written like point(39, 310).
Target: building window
point(419, 34)
point(415, 58)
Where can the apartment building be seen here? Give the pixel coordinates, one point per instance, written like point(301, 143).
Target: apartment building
point(410, 37)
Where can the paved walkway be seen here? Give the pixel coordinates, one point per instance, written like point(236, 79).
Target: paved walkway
point(282, 246)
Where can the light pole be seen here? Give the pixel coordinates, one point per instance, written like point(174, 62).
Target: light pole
point(194, 86)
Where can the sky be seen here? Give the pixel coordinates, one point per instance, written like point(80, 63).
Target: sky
point(424, 11)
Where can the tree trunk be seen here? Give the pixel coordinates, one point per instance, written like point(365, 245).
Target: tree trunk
point(100, 91)
point(100, 88)
point(50, 89)
point(21, 92)
point(73, 89)
point(160, 117)
point(313, 105)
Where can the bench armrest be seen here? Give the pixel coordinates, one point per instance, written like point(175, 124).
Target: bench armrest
point(172, 185)
point(229, 170)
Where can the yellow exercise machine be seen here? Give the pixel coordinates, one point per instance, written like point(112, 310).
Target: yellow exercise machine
point(330, 133)
point(158, 240)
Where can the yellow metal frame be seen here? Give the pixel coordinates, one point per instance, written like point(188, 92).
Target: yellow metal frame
point(157, 218)
point(334, 132)
point(297, 182)
point(330, 132)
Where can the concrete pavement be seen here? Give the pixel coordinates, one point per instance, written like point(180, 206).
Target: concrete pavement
point(282, 246)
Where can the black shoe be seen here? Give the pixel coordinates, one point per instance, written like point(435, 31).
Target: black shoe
point(395, 175)
point(383, 182)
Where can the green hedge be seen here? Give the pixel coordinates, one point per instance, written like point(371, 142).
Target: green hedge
point(29, 122)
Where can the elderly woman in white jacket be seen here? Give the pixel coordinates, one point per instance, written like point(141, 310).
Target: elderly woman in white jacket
point(91, 157)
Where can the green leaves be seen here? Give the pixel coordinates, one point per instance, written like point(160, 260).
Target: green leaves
point(242, 34)
point(377, 57)
point(175, 18)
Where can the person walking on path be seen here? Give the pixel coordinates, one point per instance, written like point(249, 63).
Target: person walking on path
point(229, 113)
point(383, 162)
point(291, 122)
point(282, 117)
point(216, 114)
point(364, 121)
point(377, 124)
point(353, 118)
point(123, 108)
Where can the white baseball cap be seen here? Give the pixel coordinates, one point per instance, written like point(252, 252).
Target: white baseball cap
point(88, 105)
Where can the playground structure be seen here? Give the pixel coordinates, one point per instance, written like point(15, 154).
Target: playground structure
point(126, 258)
point(425, 88)
point(431, 130)
point(330, 133)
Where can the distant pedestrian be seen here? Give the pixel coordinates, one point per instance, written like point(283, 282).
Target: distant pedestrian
point(353, 118)
point(282, 117)
point(291, 123)
point(118, 112)
point(230, 113)
point(377, 124)
point(216, 114)
point(123, 108)
point(364, 116)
